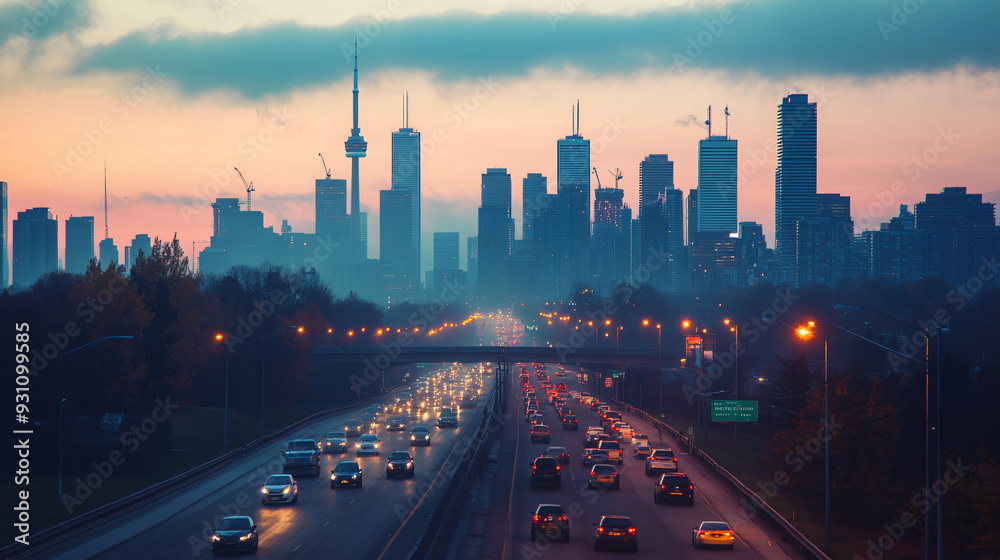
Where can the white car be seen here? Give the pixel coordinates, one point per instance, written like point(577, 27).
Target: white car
point(661, 461)
point(624, 432)
point(367, 444)
point(279, 488)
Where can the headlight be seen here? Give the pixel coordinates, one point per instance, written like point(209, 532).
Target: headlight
point(216, 538)
point(357, 445)
point(286, 490)
point(353, 476)
point(333, 477)
point(263, 490)
point(376, 446)
point(391, 466)
point(245, 537)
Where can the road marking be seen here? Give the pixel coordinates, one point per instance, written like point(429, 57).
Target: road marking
point(424, 495)
point(296, 548)
point(510, 499)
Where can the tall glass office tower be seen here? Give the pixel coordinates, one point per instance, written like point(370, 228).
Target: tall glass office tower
point(794, 177)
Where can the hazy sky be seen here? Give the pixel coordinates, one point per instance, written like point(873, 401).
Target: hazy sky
point(174, 94)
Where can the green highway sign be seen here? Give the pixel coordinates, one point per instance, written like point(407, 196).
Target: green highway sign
point(616, 373)
point(734, 411)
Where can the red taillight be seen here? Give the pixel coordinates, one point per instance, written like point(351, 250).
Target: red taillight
point(702, 533)
point(631, 530)
point(563, 518)
point(729, 533)
point(537, 518)
point(663, 487)
point(675, 459)
point(533, 468)
point(691, 487)
point(600, 530)
point(557, 468)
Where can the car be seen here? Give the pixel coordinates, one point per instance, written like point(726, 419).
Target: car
point(569, 422)
point(559, 453)
point(622, 431)
point(354, 428)
point(367, 444)
point(614, 450)
point(400, 463)
point(448, 420)
point(550, 522)
point(395, 423)
point(279, 488)
point(660, 461)
point(616, 530)
point(674, 487)
point(565, 411)
point(237, 532)
point(346, 473)
point(713, 533)
point(301, 455)
point(539, 433)
point(535, 417)
point(545, 470)
point(641, 451)
point(609, 418)
point(638, 439)
point(335, 442)
point(596, 439)
point(595, 456)
point(603, 476)
point(420, 435)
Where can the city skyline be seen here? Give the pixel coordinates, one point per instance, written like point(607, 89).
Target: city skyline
point(916, 124)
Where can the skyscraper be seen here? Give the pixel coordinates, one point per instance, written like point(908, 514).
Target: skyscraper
point(406, 175)
point(607, 228)
point(395, 237)
point(957, 224)
point(661, 224)
point(573, 178)
point(825, 252)
point(445, 259)
point(108, 253)
point(472, 260)
point(141, 244)
point(36, 245)
point(794, 177)
point(4, 238)
point(79, 231)
point(656, 174)
point(356, 148)
point(717, 181)
point(331, 213)
point(534, 189)
point(496, 234)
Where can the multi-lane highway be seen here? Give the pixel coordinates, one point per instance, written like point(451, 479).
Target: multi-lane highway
point(662, 530)
point(380, 520)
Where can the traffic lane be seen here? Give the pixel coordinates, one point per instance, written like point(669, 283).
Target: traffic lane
point(660, 529)
point(322, 519)
point(719, 503)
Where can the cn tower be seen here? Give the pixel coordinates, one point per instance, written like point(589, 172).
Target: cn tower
point(356, 147)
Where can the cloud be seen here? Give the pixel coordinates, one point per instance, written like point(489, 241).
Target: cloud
point(775, 39)
point(26, 24)
point(690, 120)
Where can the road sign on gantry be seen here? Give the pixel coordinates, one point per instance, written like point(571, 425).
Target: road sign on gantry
point(734, 411)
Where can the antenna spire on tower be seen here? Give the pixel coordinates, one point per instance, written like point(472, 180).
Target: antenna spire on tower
point(105, 199)
point(727, 122)
point(577, 131)
point(709, 121)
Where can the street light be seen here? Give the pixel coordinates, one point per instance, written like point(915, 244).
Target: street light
point(225, 414)
point(263, 362)
point(62, 401)
point(927, 418)
point(659, 366)
point(736, 380)
point(806, 332)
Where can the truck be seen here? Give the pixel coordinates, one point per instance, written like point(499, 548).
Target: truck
point(301, 455)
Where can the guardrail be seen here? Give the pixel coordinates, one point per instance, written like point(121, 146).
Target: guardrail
point(433, 543)
point(78, 524)
point(753, 505)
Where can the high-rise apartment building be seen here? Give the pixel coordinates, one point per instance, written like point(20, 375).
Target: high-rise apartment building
point(79, 231)
point(794, 178)
point(960, 227)
point(660, 253)
point(395, 236)
point(35, 239)
point(534, 189)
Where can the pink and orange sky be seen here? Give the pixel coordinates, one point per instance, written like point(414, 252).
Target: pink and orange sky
point(908, 100)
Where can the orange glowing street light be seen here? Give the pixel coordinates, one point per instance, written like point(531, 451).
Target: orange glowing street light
point(645, 322)
point(350, 333)
point(685, 324)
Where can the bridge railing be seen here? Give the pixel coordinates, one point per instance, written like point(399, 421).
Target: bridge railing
point(753, 506)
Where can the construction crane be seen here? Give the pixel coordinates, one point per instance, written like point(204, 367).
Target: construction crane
point(249, 186)
point(325, 168)
point(598, 178)
point(618, 175)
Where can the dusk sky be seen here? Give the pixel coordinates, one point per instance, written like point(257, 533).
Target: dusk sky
point(908, 99)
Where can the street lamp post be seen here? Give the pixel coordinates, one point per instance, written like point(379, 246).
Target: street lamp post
point(225, 414)
point(263, 362)
point(736, 382)
point(804, 332)
point(659, 366)
point(927, 420)
point(62, 401)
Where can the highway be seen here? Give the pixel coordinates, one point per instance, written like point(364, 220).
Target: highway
point(380, 520)
point(663, 530)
